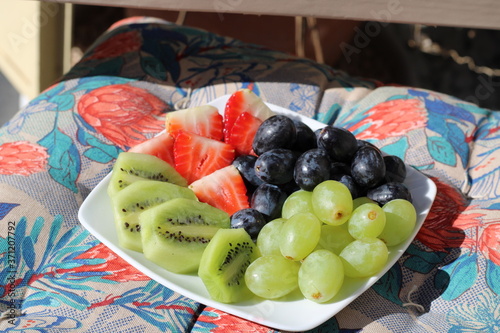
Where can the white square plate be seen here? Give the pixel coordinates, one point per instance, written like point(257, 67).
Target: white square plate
point(293, 313)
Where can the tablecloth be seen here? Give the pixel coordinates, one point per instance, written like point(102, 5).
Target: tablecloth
point(55, 276)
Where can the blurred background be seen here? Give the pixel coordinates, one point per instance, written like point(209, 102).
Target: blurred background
point(461, 62)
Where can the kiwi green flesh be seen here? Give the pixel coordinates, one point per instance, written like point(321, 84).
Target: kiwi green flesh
point(129, 232)
point(130, 167)
point(119, 181)
point(136, 198)
point(223, 265)
point(175, 233)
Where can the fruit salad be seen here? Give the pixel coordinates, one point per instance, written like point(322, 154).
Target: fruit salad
point(257, 204)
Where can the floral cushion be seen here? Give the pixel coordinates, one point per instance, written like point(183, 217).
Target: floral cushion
point(57, 277)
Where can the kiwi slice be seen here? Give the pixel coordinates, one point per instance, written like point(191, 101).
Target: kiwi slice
point(224, 262)
point(136, 198)
point(175, 233)
point(130, 167)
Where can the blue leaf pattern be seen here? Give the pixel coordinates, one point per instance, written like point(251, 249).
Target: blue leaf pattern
point(389, 284)
point(483, 316)
point(493, 276)
point(153, 67)
point(443, 112)
point(64, 102)
point(459, 142)
point(5, 208)
point(463, 274)
point(418, 93)
point(441, 150)
point(64, 160)
point(330, 115)
point(91, 83)
point(28, 252)
point(423, 261)
point(397, 148)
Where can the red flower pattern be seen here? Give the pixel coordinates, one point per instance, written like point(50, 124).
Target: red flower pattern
point(117, 45)
point(118, 269)
point(448, 219)
point(22, 158)
point(391, 118)
point(122, 113)
point(489, 243)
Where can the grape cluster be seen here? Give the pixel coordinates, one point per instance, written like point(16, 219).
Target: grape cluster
point(290, 156)
point(324, 207)
point(318, 242)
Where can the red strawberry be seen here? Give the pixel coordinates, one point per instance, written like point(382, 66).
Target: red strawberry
point(161, 146)
point(223, 189)
point(197, 156)
point(242, 133)
point(243, 100)
point(203, 120)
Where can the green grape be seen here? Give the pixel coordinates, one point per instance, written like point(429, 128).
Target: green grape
point(401, 218)
point(366, 221)
point(299, 236)
point(297, 202)
point(364, 258)
point(272, 276)
point(334, 238)
point(359, 201)
point(321, 276)
point(267, 240)
point(332, 202)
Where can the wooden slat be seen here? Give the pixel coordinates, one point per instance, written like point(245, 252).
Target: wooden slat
point(457, 13)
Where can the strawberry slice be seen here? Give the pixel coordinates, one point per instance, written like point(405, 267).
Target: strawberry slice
point(243, 100)
point(203, 120)
point(197, 156)
point(223, 189)
point(161, 146)
point(242, 133)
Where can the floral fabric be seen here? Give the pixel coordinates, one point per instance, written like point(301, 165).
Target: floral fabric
point(56, 276)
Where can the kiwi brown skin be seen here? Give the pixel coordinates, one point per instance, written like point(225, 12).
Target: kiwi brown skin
point(175, 234)
point(223, 265)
